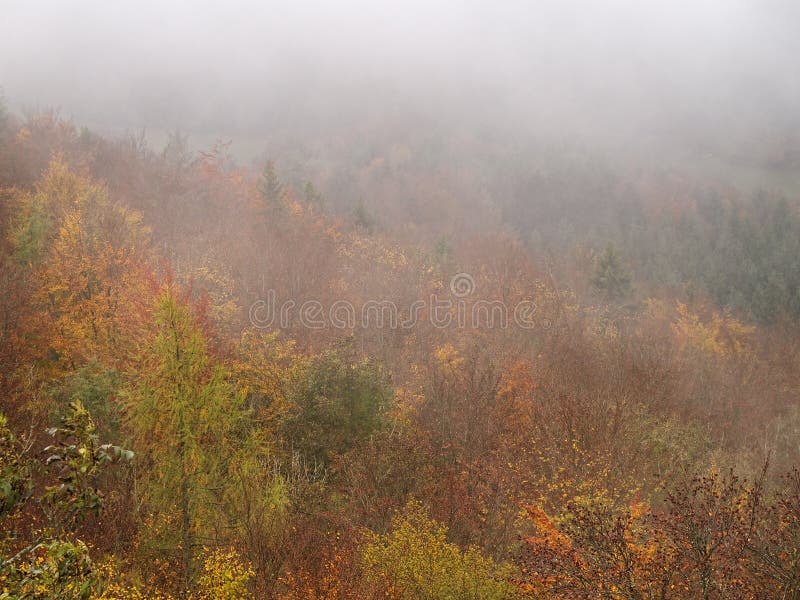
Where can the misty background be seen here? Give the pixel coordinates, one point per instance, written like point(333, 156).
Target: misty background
point(714, 78)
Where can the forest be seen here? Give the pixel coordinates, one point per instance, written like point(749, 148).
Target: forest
point(397, 356)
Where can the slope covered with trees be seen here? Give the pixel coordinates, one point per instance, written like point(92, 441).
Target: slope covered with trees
point(629, 431)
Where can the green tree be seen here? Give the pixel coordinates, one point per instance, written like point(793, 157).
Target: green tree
point(340, 402)
point(184, 417)
point(270, 187)
point(29, 231)
point(95, 386)
point(362, 217)
point(610, 276)
point(313, 196)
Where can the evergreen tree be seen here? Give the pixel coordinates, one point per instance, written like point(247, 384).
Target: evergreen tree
point(312, 195)
point(610, 276)
point(363, 219)
point(340, 402)
point(442, 250)
point(270, 187)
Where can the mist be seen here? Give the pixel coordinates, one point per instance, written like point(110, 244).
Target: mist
point(464, 299)
point(655, 75)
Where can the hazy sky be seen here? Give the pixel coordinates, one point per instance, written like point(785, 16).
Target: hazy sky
point(245, 67)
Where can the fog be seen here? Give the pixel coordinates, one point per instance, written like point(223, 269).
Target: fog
point(604, 73)
point(425, 299)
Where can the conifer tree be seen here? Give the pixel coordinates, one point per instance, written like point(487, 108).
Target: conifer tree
point(270, 187)
point(183, 419)
point(312, 195)
point(610, 276)
point(362, 217)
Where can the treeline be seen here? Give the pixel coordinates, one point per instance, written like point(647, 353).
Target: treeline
point(679, 230)
point(157, 443)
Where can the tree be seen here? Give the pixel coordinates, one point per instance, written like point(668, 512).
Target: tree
point(709, 542)
point(340, 402)
point(712, 521)
point(183, 419)
point(87, 256)
point(270, 187)
point(362, 217)
point(415, 560)
point(610, 277)
point(312, 196)
point(80, 459)
point(224, 577)
point(777, 544)
point(176, 152)
point(51, 565)
point(597, 550)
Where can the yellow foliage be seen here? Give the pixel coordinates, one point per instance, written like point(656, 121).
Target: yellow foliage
point(264, 369)
point(225, 576)
point(448, 357)
point(88, 256)
point(118, 587)
point(720, 334)
point(598, 547)
point(415, 560)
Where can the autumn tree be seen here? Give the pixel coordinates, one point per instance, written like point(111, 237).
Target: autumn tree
point(775, 547)
point(415, 560)
point(183, 420)
point(88, 258)
point(596, 549)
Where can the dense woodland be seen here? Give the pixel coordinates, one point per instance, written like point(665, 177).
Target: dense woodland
point(641, 440)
